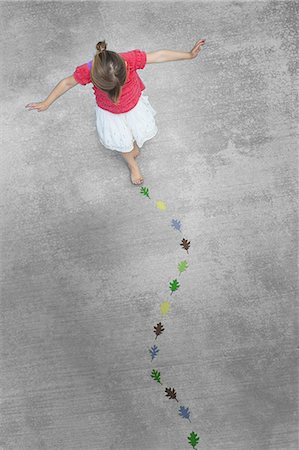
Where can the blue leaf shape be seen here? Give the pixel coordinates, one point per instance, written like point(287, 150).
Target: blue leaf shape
point(176, 224)
point(154, 351)
point(184, 412)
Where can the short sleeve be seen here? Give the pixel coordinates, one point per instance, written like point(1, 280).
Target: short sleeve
point(140, 59)
point(82, 74)
point(136, 59)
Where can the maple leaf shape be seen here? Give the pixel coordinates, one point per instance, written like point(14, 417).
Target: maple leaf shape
point(158, 329)
point(176, 224)
point(185, 243)
point(174, 285)
point(171, 393)
point(154, 351)
point(184, 412)
point(156, 375)
point(182, 266)
point(193, 439)
point(145, 191)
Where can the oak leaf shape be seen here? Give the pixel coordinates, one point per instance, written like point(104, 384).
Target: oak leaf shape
point(185, 244)
point(156, 375)
point(154, 351)
point(176, 224)
point(193, 439)
point(174, 285)
point(182, 266)
point(145, 191)
point(158, 329)
point(171, 393)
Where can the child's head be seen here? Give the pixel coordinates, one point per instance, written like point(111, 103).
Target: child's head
point(109, 71)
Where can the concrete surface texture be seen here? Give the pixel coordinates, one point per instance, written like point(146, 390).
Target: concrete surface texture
point(87, 260)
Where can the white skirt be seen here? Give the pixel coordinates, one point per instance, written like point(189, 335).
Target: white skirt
point(119, 131)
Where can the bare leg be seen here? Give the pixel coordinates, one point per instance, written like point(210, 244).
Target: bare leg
point(135, 150)
point(136, 176)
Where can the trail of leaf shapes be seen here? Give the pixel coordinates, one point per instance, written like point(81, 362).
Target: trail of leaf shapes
point(184, 412)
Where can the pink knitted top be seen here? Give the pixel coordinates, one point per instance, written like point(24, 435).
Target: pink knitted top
point(131, 90)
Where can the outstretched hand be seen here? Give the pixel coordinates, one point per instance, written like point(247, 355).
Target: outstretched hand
point(197, 47)
point(40, 106)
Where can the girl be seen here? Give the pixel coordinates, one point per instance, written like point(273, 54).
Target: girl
point(123, 114)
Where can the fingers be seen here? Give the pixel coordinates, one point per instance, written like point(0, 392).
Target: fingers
point(197, 48)
point(31, 106)
point(201, 42)
point(198, 45)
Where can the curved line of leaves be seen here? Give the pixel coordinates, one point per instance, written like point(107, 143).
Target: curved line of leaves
point(174, 285)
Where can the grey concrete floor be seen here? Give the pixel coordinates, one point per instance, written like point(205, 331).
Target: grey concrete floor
point(87, 260)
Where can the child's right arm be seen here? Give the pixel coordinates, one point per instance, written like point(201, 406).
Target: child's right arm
point(63, 86)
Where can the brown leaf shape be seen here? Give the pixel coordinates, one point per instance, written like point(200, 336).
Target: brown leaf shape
point(185, 244)
point(158, 329)
point(171, 393)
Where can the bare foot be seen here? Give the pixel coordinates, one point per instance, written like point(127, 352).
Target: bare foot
point(136, 176)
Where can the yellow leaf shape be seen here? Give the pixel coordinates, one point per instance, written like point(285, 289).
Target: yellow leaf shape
point(160, 204)
point(164, 307)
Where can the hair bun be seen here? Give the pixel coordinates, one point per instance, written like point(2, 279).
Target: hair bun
point(101, 46)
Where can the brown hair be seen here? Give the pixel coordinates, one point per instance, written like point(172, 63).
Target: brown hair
point(108, 71)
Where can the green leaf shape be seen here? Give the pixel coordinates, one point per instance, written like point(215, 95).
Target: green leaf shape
point(193, 439)
point(156, 375)
point(182, 266)
point(174, 285)
point(145, 191)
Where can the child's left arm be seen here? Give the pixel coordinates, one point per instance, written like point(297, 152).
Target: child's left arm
point(171, 55)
